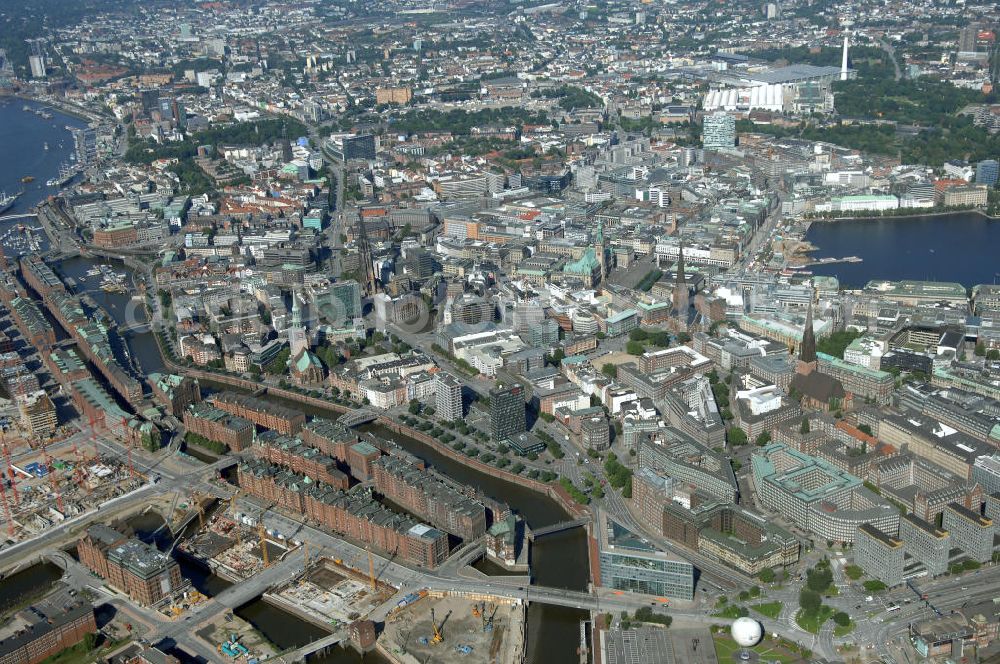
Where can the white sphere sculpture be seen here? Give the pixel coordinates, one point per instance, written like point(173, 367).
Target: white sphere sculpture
point(746, 632)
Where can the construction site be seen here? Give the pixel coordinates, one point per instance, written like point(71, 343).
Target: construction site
point(233, 546)
point(232, 542)
point(45, 486)
point(333, 593)
point(452, 629)
point(236, 639)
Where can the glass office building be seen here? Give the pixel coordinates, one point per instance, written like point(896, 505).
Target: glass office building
point(629, 564)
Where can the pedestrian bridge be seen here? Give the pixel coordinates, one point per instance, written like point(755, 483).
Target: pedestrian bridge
point(357, 417)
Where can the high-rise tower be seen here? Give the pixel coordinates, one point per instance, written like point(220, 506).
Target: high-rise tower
point(507, 412)
point(6, 71)
point(843, 61)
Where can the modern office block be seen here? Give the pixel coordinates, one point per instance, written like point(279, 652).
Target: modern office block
point(986, 471)
point(628, 564)
point(719, 131)
point(926, 543)
point(507, 412)
point(987, 172)
point(447, 397)
point(879, 555)
point(971, 532)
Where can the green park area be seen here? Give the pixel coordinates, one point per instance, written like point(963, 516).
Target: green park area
point(767, 650)
point(769, 609)
point(812, 621)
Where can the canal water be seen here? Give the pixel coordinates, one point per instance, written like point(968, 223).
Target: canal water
point(560, 560)
point(958, 247)
point(24, 135)
point(26, 585)
point(126, 310)
point(280, 627)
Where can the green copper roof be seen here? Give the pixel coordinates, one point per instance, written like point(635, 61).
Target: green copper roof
point(585, 265)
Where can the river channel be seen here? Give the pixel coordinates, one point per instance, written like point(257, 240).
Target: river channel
point(559, 560)
point(280, 627)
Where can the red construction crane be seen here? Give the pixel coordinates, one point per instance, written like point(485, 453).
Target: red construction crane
point(93, 437)
point(78, 470)
point(11, 473)
point(53, 480)
point(6, 511)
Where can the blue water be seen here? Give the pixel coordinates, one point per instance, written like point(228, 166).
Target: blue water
point(22, 137)
point(961, 247)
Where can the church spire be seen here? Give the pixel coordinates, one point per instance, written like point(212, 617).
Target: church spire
point(681, 281)
point(807, 351)
point(600, 253)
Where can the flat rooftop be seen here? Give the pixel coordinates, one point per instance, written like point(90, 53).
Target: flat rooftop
point(793, 73)
point(925, 526)
point(876, 534)
point(808, 478)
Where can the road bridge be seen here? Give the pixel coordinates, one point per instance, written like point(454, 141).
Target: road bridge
point(357, 417)
point(230, 598)
point(535, 533)
point(316, 647)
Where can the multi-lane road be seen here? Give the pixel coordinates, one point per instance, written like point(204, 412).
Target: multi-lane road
point(160, 481)
point(874, 625)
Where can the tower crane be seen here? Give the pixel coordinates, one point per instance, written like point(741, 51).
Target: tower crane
point(196, 497)
point(50, 470)
point(263, 541)
point(438, 636)
point(488, 621)
point(232, 515)
point(10, 468)
point(6, 511)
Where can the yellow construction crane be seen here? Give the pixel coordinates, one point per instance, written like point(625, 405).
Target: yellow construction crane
point(438, 636)
point(196, 498)
point(348, 563)
point(263, 541)
point(371, 570)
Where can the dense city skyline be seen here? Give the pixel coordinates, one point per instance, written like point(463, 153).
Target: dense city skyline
point(500, 332)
